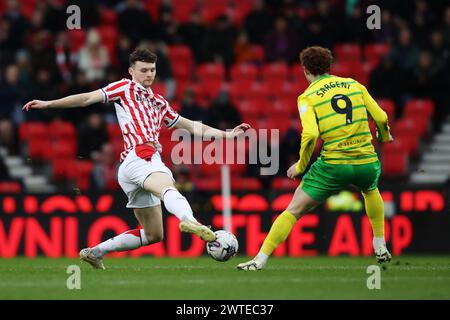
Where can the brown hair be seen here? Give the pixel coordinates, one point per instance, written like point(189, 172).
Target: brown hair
point(316, 60)
point(142, 54)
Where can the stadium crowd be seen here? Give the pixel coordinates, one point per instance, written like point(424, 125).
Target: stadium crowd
point(41, 59)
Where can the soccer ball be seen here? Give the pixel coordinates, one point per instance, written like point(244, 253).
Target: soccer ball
point(224, 247)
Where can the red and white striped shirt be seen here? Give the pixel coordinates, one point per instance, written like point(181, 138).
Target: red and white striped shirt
point(140, 113)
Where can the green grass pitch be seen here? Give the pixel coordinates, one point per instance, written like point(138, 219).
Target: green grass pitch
point(406, 277)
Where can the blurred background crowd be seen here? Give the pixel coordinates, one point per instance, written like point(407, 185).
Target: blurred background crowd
point(219, 61)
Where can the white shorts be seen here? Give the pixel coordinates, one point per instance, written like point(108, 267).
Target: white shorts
point(132, 173)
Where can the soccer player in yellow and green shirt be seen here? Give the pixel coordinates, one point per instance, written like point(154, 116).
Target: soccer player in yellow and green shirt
point(335, 109)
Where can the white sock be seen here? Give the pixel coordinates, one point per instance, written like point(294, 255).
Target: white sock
point(131, 239)
point(378, 242)
point(177, 205)
point(262, 257)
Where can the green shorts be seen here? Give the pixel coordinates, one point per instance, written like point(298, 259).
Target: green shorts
point(324, 179)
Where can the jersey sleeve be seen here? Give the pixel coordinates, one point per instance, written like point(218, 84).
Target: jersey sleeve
point(377, 114)
point(114, 90)
point(171, 117)
point(310, 133)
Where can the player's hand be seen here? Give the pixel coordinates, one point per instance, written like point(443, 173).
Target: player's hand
point(36, 104)
point(292, 172)
point(239, 130)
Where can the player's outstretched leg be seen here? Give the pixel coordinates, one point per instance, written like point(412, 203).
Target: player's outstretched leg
point(161, 184)
point(95, 261)
point(129, 240)
point(375, 211)
point(280, 230)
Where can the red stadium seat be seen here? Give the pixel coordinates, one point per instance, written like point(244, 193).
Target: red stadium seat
point(152, 7)
point(77, 38)
point(394, 159)
point(259, 52)
point(217, 202)
point(253, 202)
point(347, 52)
point(10, 187)
point(61, 150)
point(63, 168)
point(32, 130)
point(245, 184)
point(114, 131)
point(284, 183)
point(341, 69)
point(212, 9)
point(108, 17)
point(182, 9)
point(289, 91)
point(419, 107)
point(208, 184)
point(298, 77)
point(244, 72)
point(275, 72)
point(374, 52)
point(253, 107)
point(389, 107)
point(411, 125)
point(83, 171)
point(211, 72)
point(38, 148)
point(159, 88)
point(281, 108)
point(61, 130)
point(181, 70)
point(177, 53)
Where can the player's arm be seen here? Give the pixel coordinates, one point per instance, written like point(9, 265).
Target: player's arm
point(310, 134)
point(199, 129)
point(76, 100)
point(378, 116)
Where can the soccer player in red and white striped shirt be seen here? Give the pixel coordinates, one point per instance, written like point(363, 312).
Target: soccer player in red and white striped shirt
point(142, 175)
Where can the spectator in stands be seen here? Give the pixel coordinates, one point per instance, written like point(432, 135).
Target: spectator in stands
point(193, 34)
point(12, 93)
point(281, 43)
point(219, 41)
point(123, 52)
point(387, 33)
point(66, 57)
point(93, 57)
point(104, 174)
point(258, 22)
point(135, 22)
point(316, 35)
point(438, 49)
point(167, 28)
point(54, 15)
point(405, 52)
point(6, 51)
point(446, 26)
point(355, 30)
point(425, 77)
point(223, 114)
point(42, 52)
point(243, 50)
point(92, 135)
point(190, 109)
point(42, 87)
point(385, 81)
point(23, 63)
point(18, 24)
point(8, 137)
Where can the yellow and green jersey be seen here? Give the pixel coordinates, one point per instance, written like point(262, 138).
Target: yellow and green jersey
point(336, 110)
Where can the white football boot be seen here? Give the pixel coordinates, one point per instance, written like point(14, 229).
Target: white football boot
point(252, 265)
point(382, 254)
point(86, 255)
point(200, 230)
